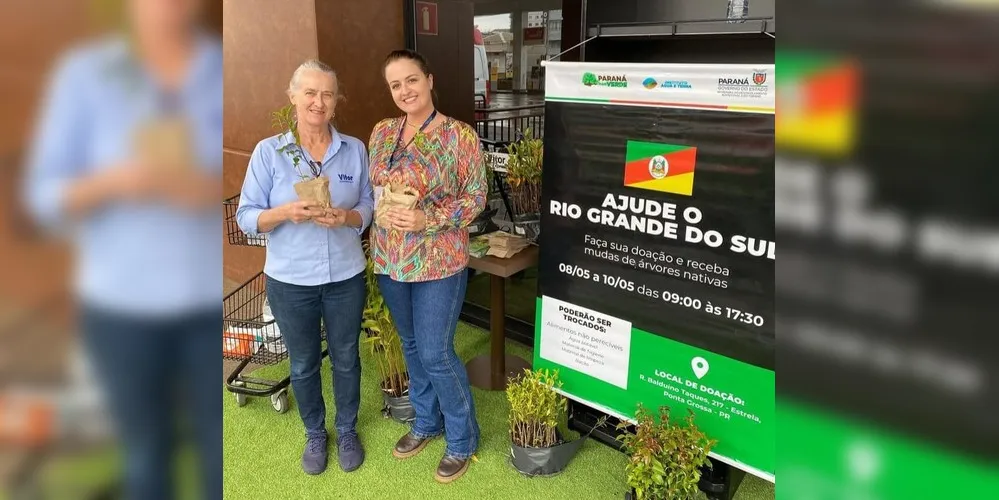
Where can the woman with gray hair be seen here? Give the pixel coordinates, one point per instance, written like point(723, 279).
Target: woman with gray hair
point(315, 264)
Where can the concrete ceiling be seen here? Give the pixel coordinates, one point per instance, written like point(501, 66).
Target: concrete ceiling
point(493, 7)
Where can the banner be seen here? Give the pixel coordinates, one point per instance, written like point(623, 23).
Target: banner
point(888, 270)
point(656, 273)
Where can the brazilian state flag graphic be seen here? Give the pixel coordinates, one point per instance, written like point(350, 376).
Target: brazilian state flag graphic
point(816, 103)
point(668, 168)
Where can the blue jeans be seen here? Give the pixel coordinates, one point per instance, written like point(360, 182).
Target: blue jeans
point(426, 315)
point(298, 310)
point(148, 368)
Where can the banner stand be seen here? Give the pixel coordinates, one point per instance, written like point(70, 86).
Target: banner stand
point(657, 250)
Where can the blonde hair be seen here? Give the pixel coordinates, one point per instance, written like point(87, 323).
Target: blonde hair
point(314, 65)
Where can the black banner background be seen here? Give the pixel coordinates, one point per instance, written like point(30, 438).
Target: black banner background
point(585, 146)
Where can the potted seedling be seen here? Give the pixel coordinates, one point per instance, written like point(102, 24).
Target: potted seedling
point(538, 447)
point(524, 177)
point(386, 349)
point(665, 458)
point(314, 188)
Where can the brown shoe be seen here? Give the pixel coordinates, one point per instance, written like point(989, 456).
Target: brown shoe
point(410, 446)
point(450, 469)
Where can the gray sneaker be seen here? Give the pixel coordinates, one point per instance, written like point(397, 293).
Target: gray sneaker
point(314, 456)
point(350, 452)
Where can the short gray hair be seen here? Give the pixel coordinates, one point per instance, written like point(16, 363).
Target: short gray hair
point(313, 65)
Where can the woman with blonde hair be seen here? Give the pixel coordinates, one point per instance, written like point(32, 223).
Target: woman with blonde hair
point(315, 265)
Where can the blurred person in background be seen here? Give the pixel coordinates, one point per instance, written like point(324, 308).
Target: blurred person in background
point(126, 161)
point(315, 263)
point(421, 255)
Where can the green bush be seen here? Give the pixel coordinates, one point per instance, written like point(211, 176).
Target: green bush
point(524, 173)
point(665, 457)
point(382, 336)
point(535, 408)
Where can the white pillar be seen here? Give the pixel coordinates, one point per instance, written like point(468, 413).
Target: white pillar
point(518, 20)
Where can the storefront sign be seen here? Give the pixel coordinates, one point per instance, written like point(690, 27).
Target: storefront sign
point(534, 34)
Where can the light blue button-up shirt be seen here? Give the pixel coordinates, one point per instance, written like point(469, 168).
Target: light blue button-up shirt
point(138, 258)
point(308, 254)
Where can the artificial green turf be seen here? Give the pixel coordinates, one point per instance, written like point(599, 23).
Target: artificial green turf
point(263, 449)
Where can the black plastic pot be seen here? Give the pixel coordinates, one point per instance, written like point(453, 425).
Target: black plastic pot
point(544, 461)
point(399, 408)
point(483, 223)
point(527, 225)
point(720, 481)
point(718, 487)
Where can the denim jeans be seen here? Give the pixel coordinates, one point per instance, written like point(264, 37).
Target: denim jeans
point(148, 368)
point(426, 315)
point(298, 310)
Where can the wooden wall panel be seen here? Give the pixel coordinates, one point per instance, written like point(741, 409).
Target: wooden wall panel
point(33, 35)
point(264, 41)
point(354, 38)
point(26, 59)
point(451, 58)
point(240, 263)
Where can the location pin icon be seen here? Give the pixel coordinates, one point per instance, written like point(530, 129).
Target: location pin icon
point(700, 366)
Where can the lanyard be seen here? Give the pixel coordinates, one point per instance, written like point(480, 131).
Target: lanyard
point(402, 128)
point(316, 167)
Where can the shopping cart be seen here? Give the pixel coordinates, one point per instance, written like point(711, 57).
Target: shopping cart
point(251, 336)
point(235, 235)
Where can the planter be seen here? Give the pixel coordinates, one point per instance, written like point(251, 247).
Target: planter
point(398, 408)
point(527, 225)
point(720, 480)
point(544, 461)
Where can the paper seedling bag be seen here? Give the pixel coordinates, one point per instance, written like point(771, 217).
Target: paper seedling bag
point(395, 196)
point(165, 144)
point(315, 190)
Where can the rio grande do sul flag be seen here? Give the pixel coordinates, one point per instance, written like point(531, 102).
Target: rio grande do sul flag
point(668, 168)
point(817, 102)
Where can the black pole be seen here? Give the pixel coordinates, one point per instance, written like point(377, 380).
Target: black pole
point(409, 24)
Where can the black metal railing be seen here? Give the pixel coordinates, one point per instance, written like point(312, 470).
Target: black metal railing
point(509, 124)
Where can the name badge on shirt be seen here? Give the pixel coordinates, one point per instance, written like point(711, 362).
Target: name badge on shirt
point(378, 195)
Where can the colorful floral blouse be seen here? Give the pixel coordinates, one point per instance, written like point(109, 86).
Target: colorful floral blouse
point(446, 166)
